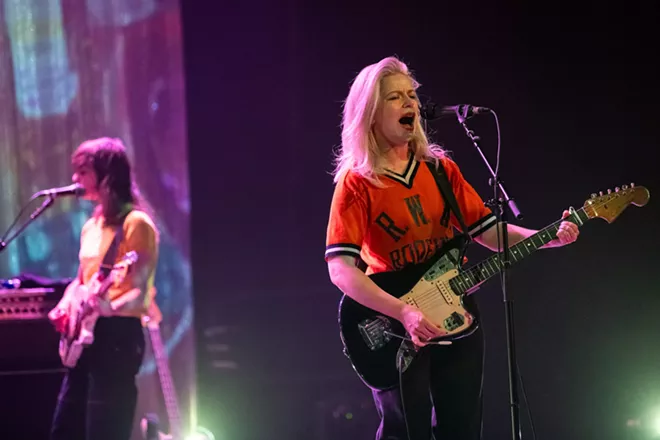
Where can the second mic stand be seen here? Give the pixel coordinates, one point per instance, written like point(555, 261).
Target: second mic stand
point(499, 204)
point(37, 212)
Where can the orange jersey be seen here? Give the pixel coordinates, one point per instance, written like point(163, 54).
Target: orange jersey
point(405, 221)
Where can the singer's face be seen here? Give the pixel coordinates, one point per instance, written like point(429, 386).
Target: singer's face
point(86, 177)
point(397, 111)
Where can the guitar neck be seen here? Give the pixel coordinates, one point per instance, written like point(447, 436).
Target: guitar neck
point(166, 383)
point(479, 273)
point(104, 286)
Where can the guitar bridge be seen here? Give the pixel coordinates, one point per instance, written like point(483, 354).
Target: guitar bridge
point(373, 332)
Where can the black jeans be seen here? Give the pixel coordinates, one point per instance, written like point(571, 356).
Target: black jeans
point(98, 396)
point(445, 379)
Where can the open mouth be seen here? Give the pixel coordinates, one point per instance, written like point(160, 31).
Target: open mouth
point(408, 121)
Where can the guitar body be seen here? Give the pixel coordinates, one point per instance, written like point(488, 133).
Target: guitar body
point(82, 316)
point(80, 331)
point(367, 336)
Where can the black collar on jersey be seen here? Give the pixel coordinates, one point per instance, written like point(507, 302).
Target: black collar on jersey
point(408, 176)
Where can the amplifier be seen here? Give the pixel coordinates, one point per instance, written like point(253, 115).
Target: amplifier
point(27, 304)
point(28, 342)
point(30, 368)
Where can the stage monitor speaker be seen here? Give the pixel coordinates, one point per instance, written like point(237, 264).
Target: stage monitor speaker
point(30, 345)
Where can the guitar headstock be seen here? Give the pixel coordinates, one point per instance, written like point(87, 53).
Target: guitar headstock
point(609, 205)
point(130, 258)
point(123, 266)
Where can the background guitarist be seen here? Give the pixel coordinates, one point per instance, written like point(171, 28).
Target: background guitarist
point(387, 210)
point(98, 396)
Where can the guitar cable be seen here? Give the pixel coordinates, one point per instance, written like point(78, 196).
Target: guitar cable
point(529, 411)
point(410, 340)
point(399, 362)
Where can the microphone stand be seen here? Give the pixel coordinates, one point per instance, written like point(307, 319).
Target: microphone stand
point(500, 199)
point(37, 212)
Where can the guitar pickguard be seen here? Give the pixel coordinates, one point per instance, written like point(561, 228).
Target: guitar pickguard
point(375, 331)
point(447, 262)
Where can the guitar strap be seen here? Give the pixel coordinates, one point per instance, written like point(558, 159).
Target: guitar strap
point(448, 196)
point(407, 349)
point(111, 254)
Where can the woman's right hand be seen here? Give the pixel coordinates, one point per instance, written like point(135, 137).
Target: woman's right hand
point(59, 318)
point(418, 326)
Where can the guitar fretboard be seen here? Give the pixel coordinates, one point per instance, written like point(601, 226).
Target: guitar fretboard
point(482, 271)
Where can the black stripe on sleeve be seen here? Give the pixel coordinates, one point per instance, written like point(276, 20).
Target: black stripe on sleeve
point(350, 249)
point(482, 225)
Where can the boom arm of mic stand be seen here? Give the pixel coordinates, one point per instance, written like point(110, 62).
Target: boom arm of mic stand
point(37, 212)
point(511, 204)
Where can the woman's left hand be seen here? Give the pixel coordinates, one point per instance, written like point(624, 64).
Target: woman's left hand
point(568, 232)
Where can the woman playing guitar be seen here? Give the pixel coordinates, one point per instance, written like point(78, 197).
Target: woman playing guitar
point(388, 213)
point(98, 395)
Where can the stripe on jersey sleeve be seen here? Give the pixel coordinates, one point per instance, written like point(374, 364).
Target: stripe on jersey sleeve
point(482, 225)
point(342, 249)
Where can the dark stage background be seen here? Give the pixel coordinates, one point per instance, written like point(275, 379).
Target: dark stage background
point(576, 93)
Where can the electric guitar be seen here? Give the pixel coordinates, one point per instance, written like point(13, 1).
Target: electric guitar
point(82, 316)
point(378, 346)
point(166, 384)
point(149, 424)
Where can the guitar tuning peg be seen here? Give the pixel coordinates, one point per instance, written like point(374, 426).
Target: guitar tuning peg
point(609, 191)
point(617, 189)
point(632, 185)
point(624, 187)
point(601, 193)
point(593, 195)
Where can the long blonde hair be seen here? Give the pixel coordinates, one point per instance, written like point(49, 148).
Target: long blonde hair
point(359, 150)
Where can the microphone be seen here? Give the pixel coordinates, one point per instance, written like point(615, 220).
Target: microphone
point(431, 111)
point(71, 190)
